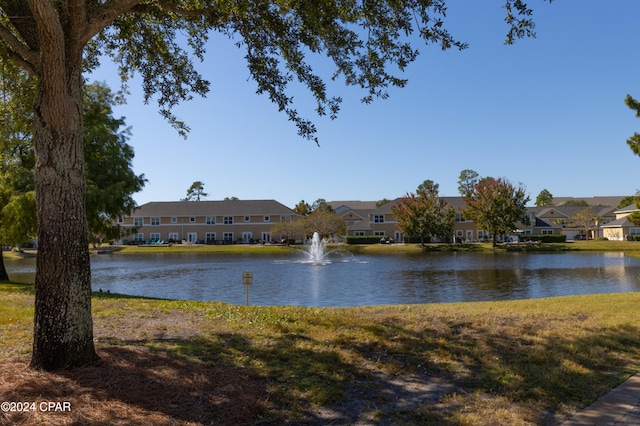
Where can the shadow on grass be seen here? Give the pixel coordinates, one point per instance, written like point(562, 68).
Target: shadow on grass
point(136, 386)
point(387, 373)
point(397, 379)
point(548, 375)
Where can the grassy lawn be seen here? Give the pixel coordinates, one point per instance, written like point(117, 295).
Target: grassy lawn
point(516, 362)
point(592, 245)
point(630, 247)
point(202, 248)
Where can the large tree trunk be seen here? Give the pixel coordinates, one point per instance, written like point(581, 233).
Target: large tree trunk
point(63, 328)
point(4, 277)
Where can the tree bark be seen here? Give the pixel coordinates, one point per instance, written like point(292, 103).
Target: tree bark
point(63, 327)
point(4, 277)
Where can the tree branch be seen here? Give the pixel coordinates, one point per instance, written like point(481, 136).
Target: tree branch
point(52, 68)
point(18, 50)
point(17, 59)
point(102, 16)
point(212, 13)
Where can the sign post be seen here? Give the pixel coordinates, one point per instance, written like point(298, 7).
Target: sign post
point(247, 280)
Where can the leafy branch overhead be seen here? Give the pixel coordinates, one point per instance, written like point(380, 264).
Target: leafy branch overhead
point(363, 39)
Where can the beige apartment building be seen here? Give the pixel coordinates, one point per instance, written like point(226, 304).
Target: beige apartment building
point(209, 222)
point(364, 219)
point(250, 221)
point(622, 228)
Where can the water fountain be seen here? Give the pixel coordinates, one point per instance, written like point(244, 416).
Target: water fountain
point(316, 250)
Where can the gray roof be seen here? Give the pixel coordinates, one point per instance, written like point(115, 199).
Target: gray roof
point(342, 206)
point(213, 208)
point(630, 208)
point(623, 221)
point(592, 201)
point(570, 211)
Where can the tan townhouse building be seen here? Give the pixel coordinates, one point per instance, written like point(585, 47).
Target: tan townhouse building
point(209, 222)
point(622, 228)
point(380, 221)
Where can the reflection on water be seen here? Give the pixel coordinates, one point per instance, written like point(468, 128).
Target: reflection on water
point(359, 280)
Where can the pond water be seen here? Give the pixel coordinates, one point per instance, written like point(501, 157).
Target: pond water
point(358, 280)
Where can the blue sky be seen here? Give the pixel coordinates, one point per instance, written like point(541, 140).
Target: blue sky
point(547, 112)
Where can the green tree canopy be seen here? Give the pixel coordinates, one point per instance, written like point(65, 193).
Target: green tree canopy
point(16, 153)
point(424, 214)
point(630, 199)
point(544, 199)
point(324, 222)
point(19, 219)
point(634, 140)
point(111, 181)
point(321, 205)
point(382, 202)
point(288, 230)
point(196, 191)
point(575, 203)
point(496, 205)
point(302, 208)
point(467, 181)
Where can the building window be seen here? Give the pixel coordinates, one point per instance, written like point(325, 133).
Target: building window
point(138, 237)
point(174, 220)
point(379, 233)
point(358, 233)
point(154, 236)
point(285, 218)
point(192, 219)
point(227, 236)
point(247, 219)
point(155, 221)
point(211, 220)
point(634, 231)
point(173, 236)
point(228, 220)
point(267, 219)
point(378, 218)
point(138, 221)
point(210, 237)
point(547, 232)
point(120, 220)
